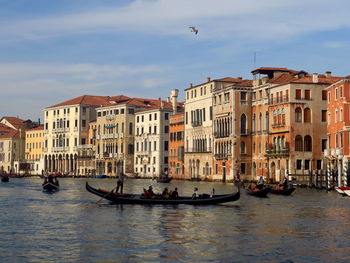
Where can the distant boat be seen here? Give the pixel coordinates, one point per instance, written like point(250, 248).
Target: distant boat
point(343, 190)
point(280, 191)
point(5, 179)
point(99, 176)
point(258, 192)
point(164, 179)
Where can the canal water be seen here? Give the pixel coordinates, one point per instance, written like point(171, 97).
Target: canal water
point(71, 226)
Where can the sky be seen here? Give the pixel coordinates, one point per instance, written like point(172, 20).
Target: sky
point(53, 51)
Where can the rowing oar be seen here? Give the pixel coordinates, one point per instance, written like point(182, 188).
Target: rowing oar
point(107, 194)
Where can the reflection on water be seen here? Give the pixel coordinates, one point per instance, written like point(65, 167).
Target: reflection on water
point(70, 226)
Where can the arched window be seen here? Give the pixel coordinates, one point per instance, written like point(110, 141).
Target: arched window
point(274, 117)
point(336, 115)
point(267, 120)
point(341, 115)
point(307, 143)
point(242, 147)
point(253, 123)
point(298, 143)
point(243, 124)
point(260, 122)
point(298, 115)
point(307, 115)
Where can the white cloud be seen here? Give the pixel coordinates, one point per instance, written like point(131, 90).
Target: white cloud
point(249, 19)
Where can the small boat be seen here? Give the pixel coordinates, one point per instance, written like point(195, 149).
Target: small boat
point(136, 198)
point(5, 179)
point(343, 190)
point(258, 192)
point(50, 187)
point(280, 191)
point(99, 176)
point(164, 179)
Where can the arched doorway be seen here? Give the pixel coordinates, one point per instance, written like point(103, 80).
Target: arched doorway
point(273, 171)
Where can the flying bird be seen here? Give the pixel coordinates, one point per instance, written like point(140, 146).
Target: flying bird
point(194, 30)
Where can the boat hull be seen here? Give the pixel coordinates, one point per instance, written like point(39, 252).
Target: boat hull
point(136, 199)
point(5, 179)
point(164, 180)
point(50, 187)
point(258, 193)
point(287, 191)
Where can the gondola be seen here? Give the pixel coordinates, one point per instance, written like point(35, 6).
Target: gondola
point(50, 186)
point(5, 179)
point(164, 179)
point(258, 192)
point(136, 199)
point(101, 176)
point(281, 191)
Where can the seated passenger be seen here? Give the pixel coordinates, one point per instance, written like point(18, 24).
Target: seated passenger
point(174, 194)
point(165, 193)
point(148, 193)
point(195, 194)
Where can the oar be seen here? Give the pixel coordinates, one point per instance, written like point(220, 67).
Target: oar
point(107, 194)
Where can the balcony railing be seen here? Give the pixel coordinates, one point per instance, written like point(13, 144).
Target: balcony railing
point(84, 146)
point(195, 150)
point(275, 151)
point(221, 156)
point(60, 149)
point(196, 123)
point(221, 134)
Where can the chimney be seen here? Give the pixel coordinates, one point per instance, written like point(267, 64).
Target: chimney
point(161, 104)
point(190, 85)
point(328, 74)
point(173, 96)
point(315, 78)
point(240, 78)
point(208, 79)
point(39, 121)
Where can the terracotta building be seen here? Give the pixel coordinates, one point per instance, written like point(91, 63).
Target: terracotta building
point(176, 146)
point(338, 128)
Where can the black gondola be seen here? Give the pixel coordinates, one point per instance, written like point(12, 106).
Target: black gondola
point(258, 192)
point(50, 186)
point(136, 199)
point(5, 179)
point(164, 179)
point(281, 191)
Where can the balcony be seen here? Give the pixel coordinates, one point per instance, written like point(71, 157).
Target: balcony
point(84, 146)
point(221, 156)
point(277, 125)
point(274, 151)
point(60, 149)
point(220, 135)
point(280, 100)
point(196, 123)
point(107, 136)
point(195, 150)
point(244, 132)
point(59, 130)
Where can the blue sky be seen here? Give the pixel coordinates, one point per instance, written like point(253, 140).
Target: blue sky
point(52, 51)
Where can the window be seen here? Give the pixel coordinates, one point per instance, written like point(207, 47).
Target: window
point(166, 129)
point(329, 97)
point(341, 115)
point(243, 97)
point(298, 143)
point(150, 117)
point(130, 128)
point(242, 168)
point(324, 95)
point(336, 93)
point(137, 119)
point(324, 115)
point(307, 164)
point(318, 164)
point(131, 111)
point(298, 115)
point(298, 94)
point(211, 113)
point(186, 118)
point(155, 116)
point(166, 116)
point(242, 148)
point(307, 115)
point(307, 143)
point(298, 164)
point(307, 94)
point(83, 123)
point(166, 145)
point(243, 124)
point(271, 98)
point(341, 91)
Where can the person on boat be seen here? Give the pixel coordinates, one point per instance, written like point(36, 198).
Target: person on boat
point(284, 184)
point(174, 194)
point(195, 194)
point(260, 183)
point(212, 193)
point(148, 193)
point(165, 193)
point(120, 182)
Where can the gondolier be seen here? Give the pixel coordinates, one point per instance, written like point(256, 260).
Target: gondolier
point(120, 182)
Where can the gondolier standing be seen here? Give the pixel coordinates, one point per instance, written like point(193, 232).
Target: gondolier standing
point(120, 182)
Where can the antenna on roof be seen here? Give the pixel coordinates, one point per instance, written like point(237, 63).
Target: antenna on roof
point(254, 60)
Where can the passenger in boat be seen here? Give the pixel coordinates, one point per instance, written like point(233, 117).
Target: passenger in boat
point(165, 193)
point(284, 184)
point(260, 183)
point(148, 193)
point(120, 182)
point(195, 194)
point(174, 194)
point(212, 193)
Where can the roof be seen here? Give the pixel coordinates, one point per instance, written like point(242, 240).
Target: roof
point(322, 79)
point(119, 98)
point(226, 79)
point(85, 100)
point(265, 70)
point(14, 121)
point(9, 134)
point(38, 128)
point(244, 83)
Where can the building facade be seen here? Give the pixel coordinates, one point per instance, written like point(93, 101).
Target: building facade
point(338, 127)
point(34, 146)
point(176, 146)
point(66, 128)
